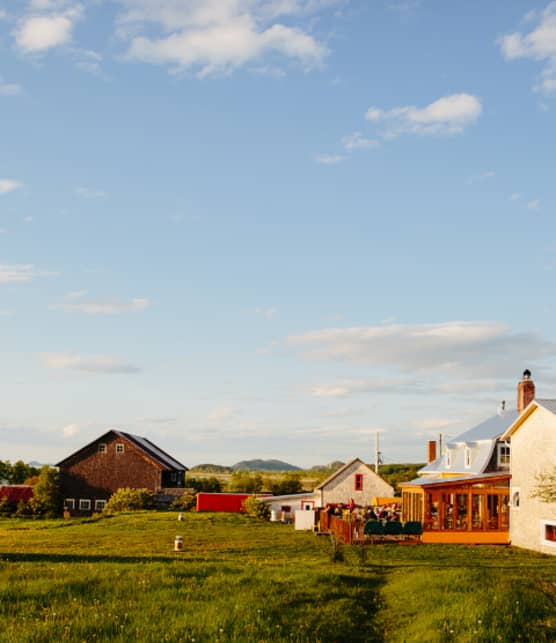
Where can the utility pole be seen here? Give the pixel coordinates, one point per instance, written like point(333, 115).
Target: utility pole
point(377, 454)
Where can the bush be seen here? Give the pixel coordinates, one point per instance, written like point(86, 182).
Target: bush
point(256, 508)
point(186, 502)
point(127, 499)
point(47, 499)
point(7, 508)
point(210, 485)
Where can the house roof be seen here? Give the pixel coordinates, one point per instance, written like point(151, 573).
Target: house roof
point(154, 453)
point(480, 439)
point(473, 479)
point(546, 403)
point(341, 470)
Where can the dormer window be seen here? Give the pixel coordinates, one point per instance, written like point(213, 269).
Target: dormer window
point(467, 457)
point(503, 451)
point(120, 448)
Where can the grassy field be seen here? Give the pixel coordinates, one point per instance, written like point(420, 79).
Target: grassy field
point(118, 579)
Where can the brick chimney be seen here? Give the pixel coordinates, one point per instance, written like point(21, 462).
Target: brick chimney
point(525, 391)
point(431, 451)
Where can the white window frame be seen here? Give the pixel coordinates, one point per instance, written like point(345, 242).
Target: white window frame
point(467, 457)
point(515, 491)
point(499, 448)
point(69, 503)
point(544, 541)
point(84, 504)
point(100, 504)
point(102, 447)
point(120, 448)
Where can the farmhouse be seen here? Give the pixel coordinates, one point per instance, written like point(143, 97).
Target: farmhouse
point(463, 496)
point(533, 440)
point(115, 460)
point(355, 480)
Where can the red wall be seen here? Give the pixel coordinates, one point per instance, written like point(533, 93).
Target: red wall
point(231, 502)
point(15, 493)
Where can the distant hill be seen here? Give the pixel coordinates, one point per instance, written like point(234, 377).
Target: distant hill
point(264, 465)
point(327, 468)
point(210, 468)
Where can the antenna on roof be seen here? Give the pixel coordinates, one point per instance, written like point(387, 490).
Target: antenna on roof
point(378, 455)
point(502, 408)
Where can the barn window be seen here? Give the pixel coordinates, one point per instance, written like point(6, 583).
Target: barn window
point(69, 503)
point(548, 533)
point(102, 447)
point(358, 482)
point(120, 448)
point(99, 505)
point(84, 504)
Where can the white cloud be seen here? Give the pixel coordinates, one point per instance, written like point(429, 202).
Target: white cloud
point(329, 159)
point(9, 185)
point(28, 219)
point(451, 347)
point(105, 307)
point(357, 141)
point(71, 430)
point(95, 364)
point(539, 44)
point(223, 414)
point(37, 32)
point(9, 89)
point(448, 115)
point(484, 176)
point(534, 204)
point(75, 294)
point(515, 196)
point(219, 36)
point(20, 273)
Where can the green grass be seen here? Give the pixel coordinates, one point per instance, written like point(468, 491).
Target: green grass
point(118, 579)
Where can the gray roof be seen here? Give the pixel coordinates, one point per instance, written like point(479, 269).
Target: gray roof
point(549, 405)
point(155, 452)
point(426, 481)
point(480, 439)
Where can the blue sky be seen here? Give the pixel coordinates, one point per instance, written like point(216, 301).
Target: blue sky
point(272, 228)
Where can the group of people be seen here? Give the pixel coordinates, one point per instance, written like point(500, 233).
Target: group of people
point(384, 513)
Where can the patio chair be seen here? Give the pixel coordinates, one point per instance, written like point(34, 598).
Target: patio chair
point(373, 528)
point(413, 528)
point(393, 528)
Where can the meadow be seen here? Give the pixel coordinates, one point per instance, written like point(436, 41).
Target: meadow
point(118, 579)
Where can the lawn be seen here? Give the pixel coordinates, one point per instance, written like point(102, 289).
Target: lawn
point(119, 579)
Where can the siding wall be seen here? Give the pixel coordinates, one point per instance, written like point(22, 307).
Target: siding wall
point(342, 487)
point(533, 450)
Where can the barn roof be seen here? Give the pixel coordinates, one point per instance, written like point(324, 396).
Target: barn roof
point(341, 470)
point(148, 448)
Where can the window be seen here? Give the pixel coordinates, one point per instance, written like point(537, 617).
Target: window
point(515, 498)
point(358, 482)
point(84, 504)
point(503, 455)
point(548, 533)
point(69, 503)
point(467, 457)
point(102, 447)
point(120, 448)
point(99, 505)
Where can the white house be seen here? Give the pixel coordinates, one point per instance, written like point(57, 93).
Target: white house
point(533, 452)
point(355, 480)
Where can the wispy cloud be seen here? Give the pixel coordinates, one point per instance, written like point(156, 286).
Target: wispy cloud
point(21, 272)
point(534, 204)
point(538, 44)
point(484, 176)
point(103, 364)
point(449, 347)
point(357, 141)
point(89, 193)
point(515, 196)
point(267, 313)
point(9, 185)
point(329, 159)
point(216, 36)
point(9, 89)
point(448, 115)
point(104, 307)
point(71, 430)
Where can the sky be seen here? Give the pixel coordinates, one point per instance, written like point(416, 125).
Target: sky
point(273, 228)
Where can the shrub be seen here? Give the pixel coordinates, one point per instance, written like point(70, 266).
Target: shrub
point(256, 508)
point(47, 500)
point(127, 499)
point(186, 502)
point(6, 507)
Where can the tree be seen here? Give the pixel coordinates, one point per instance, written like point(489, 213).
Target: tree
point(256, 508)
point(289, 483)
point(127, 499)
point(245, 482)
point(545, 488)
point(47, 499)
